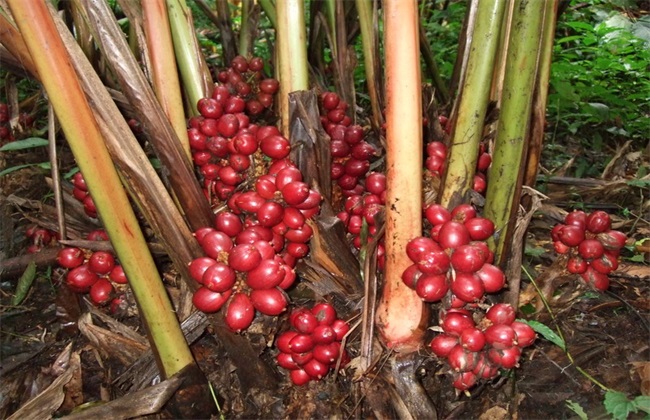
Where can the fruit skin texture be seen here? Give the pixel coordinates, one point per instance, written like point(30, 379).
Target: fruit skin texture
point(240, 312)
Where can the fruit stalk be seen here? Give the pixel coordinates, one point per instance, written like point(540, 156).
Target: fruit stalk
point(292, 45)
point(502, 198)
point(83, 134)
point(401, 314)
point(473, 101)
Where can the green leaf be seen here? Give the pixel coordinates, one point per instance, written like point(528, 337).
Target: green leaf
point(42, 165)
point(24, 283)
point(546, 332)
point(29, 143)
point(577, 408)
point(619, 406)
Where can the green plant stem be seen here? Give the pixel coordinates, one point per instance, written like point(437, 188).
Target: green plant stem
point(502, 197)
point(559, 332)
point(246, 29)
point(370, 43)
point(269, 11)
point(473, 102)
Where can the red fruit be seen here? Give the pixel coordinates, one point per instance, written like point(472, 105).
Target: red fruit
point(467, 259)
point(472, 339)
point(501, 314)
point(500, 336)
point(293, 218)
point(229, 176)
point(70, 257)
point(301, 235)
point(228, 223)
point(235, 105)
point(198, 140)
point(265, 186)
point(591, 249)
point(240, 312)
point(210, 108)
point(353, 134)
point(209, 127)
point(79, 181)
point(464, 380)
point(97, 235)
point(218, 146)
point(605, 264)
point(363, 151)
point(228, 125)
point(453, 234)
point(442, 344)
point(297, 250)
point(282, 342)
point(572, 235)
point(436, 148)
point(612, 240)
point(356, 167)
point(316, 369)
point(324, 313)
point(295, 192)
point(270, 302)
point(598, 222)
point(592, 277)
point(301, 343)
point(256, 64)
point(117, 275)
point(461, 360)
point(411, 275)
point(525, 334)
point(270, 214)
point(479, 228)
point(286, 361)
point(468, 287)
point(327, 353)
point(219, 277)
point(81, 278)
point(492, 278)
point(299, 377)
point(268, 274)
point(302, 358)
point(249, 201)
point(437, 214)
point(432, 288)
point(89, 206)
point(244, 257)
point(455, 323)
point(560, 248)
point(323, 334)
point(506, 358)
point(78, 194)
point(101, 291)
point(239, 162)
point(275, 147)
point(269, 86)
point(198, 266)
point(576, 265)
point(207, 301)
point(480, 183)
point(330, 100)
point(341, 328)
point(416, 247)
point(215, 242)
point(287, 175)
point(484, 162)
point(463, 212)
point(101, 262)
point(303, 320)
point(576, 218)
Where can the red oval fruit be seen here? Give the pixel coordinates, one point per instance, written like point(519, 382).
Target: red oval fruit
point(228, 223)
point(437, 214)
point(282, 342)
point(572, 235)
point(228, 125)
point(330, 100)
point(463, 212)
point(219, 277)
point(576, 265)
point(295, 192)
point(81, 278)
point(492, 278)
point(591, 249)
point(453, 234)
point(472, 339)
point(297, 250)
point(612, 240)
point(605, 264)
point(301, 235)
point(269, 86)
point(101, 292)
point(455, 323)
point(464, 380)
point(576, 218)
point(375, 183)
point(479, 228)
point(525, 334)
point(286, 361)
point(275, 147)
point(598, 221)
point(327, 353)
point(341, 328)
point(501, 314)
point(299, 377)
point(592, 277)
point(324, 313)
point(461, 360)
point(323, 334)
point(101, 262)
point(215, 242)
point(117, 275)
point(317, 370)
point(244, 257)
point(240, 312)
point(198, 266)
point(267, 275)
point(303, 320)
point(301, 343)
point(434, 262)
point(70, 257)
point(207, 301)
point(416, 247)
point(270, 302)
point(270, 214)
point(506, 358)
point(411, 275)
point(468, 287)
point(432, 288)
point(467, 259)
point(500, 336)
point(442, 344)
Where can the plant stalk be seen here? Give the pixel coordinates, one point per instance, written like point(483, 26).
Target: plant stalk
point(401, 314)
point(370, 42)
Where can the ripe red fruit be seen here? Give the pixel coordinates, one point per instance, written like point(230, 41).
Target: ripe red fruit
point(500, 336)
point(324, 313)
point(411, 275)
point(479, 228)
point(455, 323)
point(79, 181)
point(286, 361)
point(101, 291)
point(591, 249)
point(416, 247)
point(327, 353)
point(240, 312)
point(228, 223)
point(207, 301)
point(295, 192)
point(572, 235)
point(432, 288)
point(437, 214)
point(101, 262)
point(576, 265)
point(244, 257)
point(612, 240)
point(269, 86)
point(117, 275)
point(275, 147)
point(467, 259)
point(228, 125)
point(282, 342)
point(268, 274)
point(341, 328)
point(484, 162)
point(594, 278)
point(219, 277)
point(605, 264)
point(453, 234)
point(81, 278)
point(472, 339)
point(492, 278)
point(464, 380)
point(506, 358)
point(299, 377)
point(70, 257)
point(270, 214)
point(301, 343)
point(215, 242)
point(316, 369)
point(501, 313)
point(525, 334)
point(210, 108)
point(442, 344)
point(468, 287)
point(198, 266)
point(97, 235)
point(301, 235)
point(461, 360)
point(434, 262)
point(576, 218)
point(330, 100)
point(303, 320)
point(598, 221)
point(463, 212)
point(270, 302)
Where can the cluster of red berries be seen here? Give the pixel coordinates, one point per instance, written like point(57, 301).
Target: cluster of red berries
point(97, 273)
point(245, 79)
point(454, 258)
point(592, 246)
point(39, 238)
point(81, 194)
point(351, 154)
point(254, 245)
point(364, 207)
point(477, 351)
point(312, 347)
point(5, 129)
point(437, 160)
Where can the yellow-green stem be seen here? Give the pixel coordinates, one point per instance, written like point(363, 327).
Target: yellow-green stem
point(505, 174)
point(163, 63)
point(292, 51)
point(370, 42)
point(473, 102)
point(84, 136)
point(401, 314)
point(269, 11)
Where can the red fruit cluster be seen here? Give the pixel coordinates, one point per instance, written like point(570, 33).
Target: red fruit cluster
point(39, 238)
point(437, 159)
point(5, 129)
point(245, 79)
point(477, 352)
point(80, 192)
point(454, 258)
point(313, 345)
point(592, 246)
point(350, 153)
point(95, 273)
point(365, 207)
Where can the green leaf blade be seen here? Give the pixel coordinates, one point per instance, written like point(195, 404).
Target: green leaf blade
point(546, 332)
point(24, 284)
point(29, 143)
